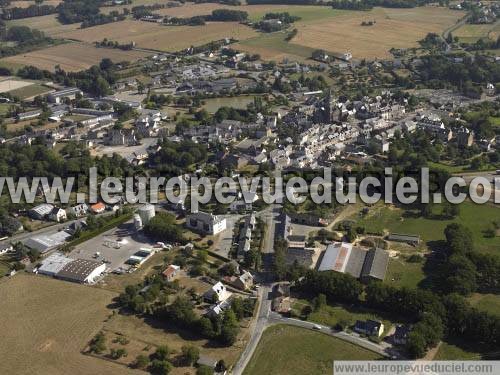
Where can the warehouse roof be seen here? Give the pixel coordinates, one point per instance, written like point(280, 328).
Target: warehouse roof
point(53, 264)
point(375, 264)
point(78, 270)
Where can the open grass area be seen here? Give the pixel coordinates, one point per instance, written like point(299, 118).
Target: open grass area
point(471, 33)
point(72, 57)
point(450, 351)
point(240, 102)
point(30, 91)
point(287, 350)
point(330, 315)
point(489, 303)
point(46, 323)
point(401, 273)
point(476, 217)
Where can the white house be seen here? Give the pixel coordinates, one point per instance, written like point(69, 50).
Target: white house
point(219, 290)
point(5, 248)
point(57, 214)
point(206, 223)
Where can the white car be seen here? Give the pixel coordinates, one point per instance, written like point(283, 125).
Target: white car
point(316, 327)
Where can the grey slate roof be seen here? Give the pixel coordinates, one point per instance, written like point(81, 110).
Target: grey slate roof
point(375, 264)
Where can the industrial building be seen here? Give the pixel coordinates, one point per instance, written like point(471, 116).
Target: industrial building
point(206, 223)
point(44, 242)
point(53, 264)
point(358, 262)
point(81, 271)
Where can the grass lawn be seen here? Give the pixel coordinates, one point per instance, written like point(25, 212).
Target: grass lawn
point(476, 217)
point(486, 302)
point(306, 13)
point(331, 315)
point(291, 350)
point(449, 351)
point(29, 91)
point(401, 273)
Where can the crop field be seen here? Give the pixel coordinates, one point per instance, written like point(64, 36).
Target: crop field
point(30, 91)
point(293, 351)
point(7, 85)
point(393, 28)
point(471, 33)
point(164, 38)
point(48, 24)
point(72, 56)
point(46, 323)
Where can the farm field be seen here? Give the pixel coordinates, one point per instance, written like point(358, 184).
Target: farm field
point(72, 56)
point(477, 218)
point(48, 24)
point(394, 28)
point(155, 333)
point(471, 33)
point(293, 351)
point(30, 91)
point(46, 323)
point(165, 38)
point(8, 84)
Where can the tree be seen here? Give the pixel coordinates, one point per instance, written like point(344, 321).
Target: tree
point(319, 301)
point(161, 367)
point(162, 352)
point(230, 329)
point(97, 345)
point(416, 345)
point(141, 362)
point(190, 354)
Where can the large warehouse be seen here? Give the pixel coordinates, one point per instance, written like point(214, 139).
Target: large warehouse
point(81, 271)
point(358, 262)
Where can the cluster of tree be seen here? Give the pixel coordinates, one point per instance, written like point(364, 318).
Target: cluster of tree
point(230, 113)
point(9, 225)
point(334, 285)
point(141, 11)
point(96, 80)
point(314, 83)
point(284, 17)
point(25, 40)
point(433, 40)
point(30, 11)
point(224, 329)
point(218, 15)
point(482, 44)
point(228, 15)
point(101, 19)
point(291, 35)
point(438, 71)
point(164, 228)
point(370, 4)
point(176, 157)
point(466, 270)
point(110, 44)
point(226, 2)
point(290, 2)
point(73, 11)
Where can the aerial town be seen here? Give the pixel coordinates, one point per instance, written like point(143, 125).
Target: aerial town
point(175, 89)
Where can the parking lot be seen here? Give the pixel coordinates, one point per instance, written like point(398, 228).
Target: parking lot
point(114, 246)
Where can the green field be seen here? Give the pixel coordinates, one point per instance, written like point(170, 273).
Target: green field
point(286, 350)
point(477, 218)
point(404, 274)
point(471, 33)
point(489, 303)
point(331, 315)
point(449, 351)
point(29, 91)
point(240, 102)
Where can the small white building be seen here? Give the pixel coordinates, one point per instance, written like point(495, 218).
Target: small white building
point(219, 290)
point(57, 214)
point(206, 223)
point(5, 248)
